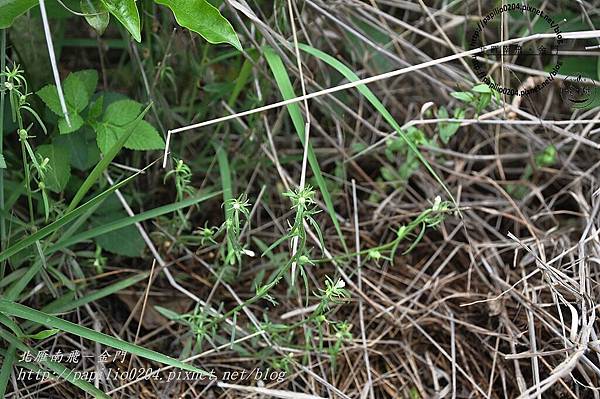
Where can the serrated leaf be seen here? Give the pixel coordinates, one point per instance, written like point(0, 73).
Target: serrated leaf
point(96, 14)
point(76, 123)
point(43, 334)
point(122, 112)
point(79, 87)
point(201, 17)
point(126, 12)
point(117, 120)
point(49, 96)
point(11, 9)
point(145, 137)
point(95, 109)
point(59, 171)
point(82, 147)
point(125, 241)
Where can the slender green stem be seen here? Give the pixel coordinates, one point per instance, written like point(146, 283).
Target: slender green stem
point(27, 183)
point(2, 79)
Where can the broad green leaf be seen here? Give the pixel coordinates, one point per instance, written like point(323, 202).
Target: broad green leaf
point(117, 119)
point(96, 14)
point(104, 162)
point(82, 148)
point(145, 137)
point(59, 168)
point(49, 96)
point(11, 9)
point(122, 112)
point(111, 211)
point(201, 17)
point(126, 12)
point(76, 123)
point(24, 312)
point(482, 88)
point(79, 87)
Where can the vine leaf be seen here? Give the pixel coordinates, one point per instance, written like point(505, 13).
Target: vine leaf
point(126, 12)
point(201, 17)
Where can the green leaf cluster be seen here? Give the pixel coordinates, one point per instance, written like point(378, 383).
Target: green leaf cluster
point(199, 16)
point(95, 128)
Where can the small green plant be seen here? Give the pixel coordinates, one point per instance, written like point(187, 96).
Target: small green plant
point(446, 129)
point(109, 121)
point(479, 97)
point(303, 203)
point(409, 163)
point(198, 322)
point(334, 293)
point(543, 159)
point(239, 212)
point(35, 167)
point(342, 335)
point(182, 175)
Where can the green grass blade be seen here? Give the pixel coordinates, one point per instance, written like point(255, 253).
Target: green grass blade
point(127, 221)
point(57, 368)
point(15, 290)
point(7, 365)
point(66, 218)
point(287, 91)
point(24, 312)
point(365, 91)
point(105, 161)
point(69, 302)
point(225, 172)
point(243, 78)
